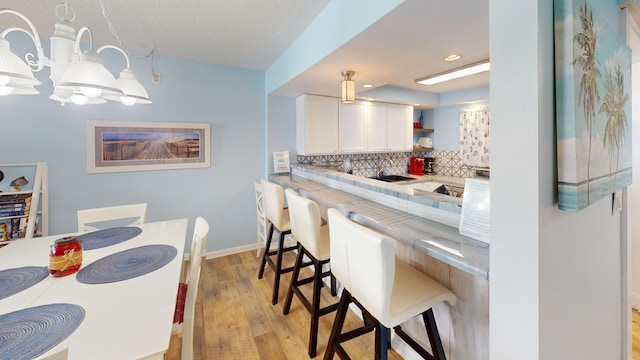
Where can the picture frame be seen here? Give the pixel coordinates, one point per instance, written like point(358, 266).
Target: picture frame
point(593, 106)
point(120, 146)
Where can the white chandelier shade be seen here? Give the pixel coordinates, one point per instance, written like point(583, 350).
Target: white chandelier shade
point(89, 75)
point(78, 77)
point(15, 75)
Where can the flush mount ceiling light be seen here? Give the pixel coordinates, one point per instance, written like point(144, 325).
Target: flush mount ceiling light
point(456, 73)
point(452, 57)
point(348, 87)
point(78, 77)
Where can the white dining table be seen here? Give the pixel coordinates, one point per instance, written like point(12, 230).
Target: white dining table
point(129, 319)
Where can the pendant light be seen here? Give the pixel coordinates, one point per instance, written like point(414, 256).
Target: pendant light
point(348, 87)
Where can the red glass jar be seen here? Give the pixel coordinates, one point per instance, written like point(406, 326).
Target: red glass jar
point(65, 257)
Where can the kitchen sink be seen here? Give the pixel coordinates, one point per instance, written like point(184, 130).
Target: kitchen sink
point(391, 178)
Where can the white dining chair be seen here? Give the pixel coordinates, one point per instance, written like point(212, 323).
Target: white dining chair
point(185, 309)
point(62, 354)
point(107, 215)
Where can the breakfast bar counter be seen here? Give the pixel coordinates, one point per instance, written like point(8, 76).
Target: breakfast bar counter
point(458, 262)
point(440, 241)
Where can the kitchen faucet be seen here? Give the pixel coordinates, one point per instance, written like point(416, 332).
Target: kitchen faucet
point(382, 171)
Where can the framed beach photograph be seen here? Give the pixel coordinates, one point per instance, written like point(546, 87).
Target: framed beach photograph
point(118, 146)
point(593, 106)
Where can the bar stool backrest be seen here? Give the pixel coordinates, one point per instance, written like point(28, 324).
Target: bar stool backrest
point(363, 261)
point(273, 196)
point(305, 221)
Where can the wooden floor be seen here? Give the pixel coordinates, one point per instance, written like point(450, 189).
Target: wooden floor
point(235, 318)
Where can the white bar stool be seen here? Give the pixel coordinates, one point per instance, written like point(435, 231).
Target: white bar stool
point(388, 291)
point(313, 241)
point(273, 197)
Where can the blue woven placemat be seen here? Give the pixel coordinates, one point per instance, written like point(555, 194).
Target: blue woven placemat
point(107, 237)
point(12, 281)
point(127, 264)
point(30, 332)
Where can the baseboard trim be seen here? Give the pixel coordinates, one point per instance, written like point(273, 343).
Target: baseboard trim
point(230, 251)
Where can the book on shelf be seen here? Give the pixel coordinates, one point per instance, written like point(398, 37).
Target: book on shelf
point(15, 228)
point(8, 197)
point(12, 202)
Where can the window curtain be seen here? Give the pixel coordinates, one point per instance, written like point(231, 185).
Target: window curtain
point(474, 136)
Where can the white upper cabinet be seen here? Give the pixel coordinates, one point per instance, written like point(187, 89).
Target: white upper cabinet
point(376, 127)
point(316, 125)
point(352, 127)
point(399, 127)
point(326, 126)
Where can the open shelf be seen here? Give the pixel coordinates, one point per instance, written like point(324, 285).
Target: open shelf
point(420, 148)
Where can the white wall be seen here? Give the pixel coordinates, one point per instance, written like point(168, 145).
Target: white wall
point(555, 275)
point(34, 128)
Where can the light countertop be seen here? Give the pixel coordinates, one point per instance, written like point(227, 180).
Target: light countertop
point(397, 218)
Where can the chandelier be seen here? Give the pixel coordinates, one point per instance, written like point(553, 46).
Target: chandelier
point(78, 77)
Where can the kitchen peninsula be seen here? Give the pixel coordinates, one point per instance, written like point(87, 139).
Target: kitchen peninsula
point(422, 224)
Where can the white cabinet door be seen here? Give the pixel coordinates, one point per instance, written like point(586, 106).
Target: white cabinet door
point(352, 127)
point(408, 118)
point(316, 125)
point(376, 127)
point(399, 127)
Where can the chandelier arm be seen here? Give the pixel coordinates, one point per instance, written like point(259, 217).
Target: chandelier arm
point(38, 63)
point(76, 48)
point(115, 48)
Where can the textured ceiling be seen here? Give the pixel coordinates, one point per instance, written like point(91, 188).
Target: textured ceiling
point(408, 43)
point(248, 34)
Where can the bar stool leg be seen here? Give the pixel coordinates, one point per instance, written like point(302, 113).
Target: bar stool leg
point(334, 286)
point(265, 253)
point(294, 279)
point(341, 314)
point(276, 282)
point(434, 335)
point(315, 308)
point(382, 342)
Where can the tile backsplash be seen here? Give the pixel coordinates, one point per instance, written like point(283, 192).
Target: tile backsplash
point(448, 163)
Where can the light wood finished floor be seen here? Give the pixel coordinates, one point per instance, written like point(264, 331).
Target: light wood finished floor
point(235, 318)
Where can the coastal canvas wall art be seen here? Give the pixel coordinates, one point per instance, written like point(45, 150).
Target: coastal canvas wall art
point(116, 146)
point(593, 106)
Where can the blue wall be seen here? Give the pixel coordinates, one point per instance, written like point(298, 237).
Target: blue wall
point(34, 128)
point(445, 120)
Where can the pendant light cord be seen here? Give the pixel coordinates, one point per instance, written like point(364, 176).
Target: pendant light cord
point(113, 31)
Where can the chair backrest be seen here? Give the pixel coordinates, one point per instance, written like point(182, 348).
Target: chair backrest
point(274, 204)
point(200, 235)
point(261, 215)
point(363, 261)
point(137, 212)
point(305, 221)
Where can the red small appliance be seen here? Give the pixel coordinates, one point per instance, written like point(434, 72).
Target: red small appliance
point(416, 165)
